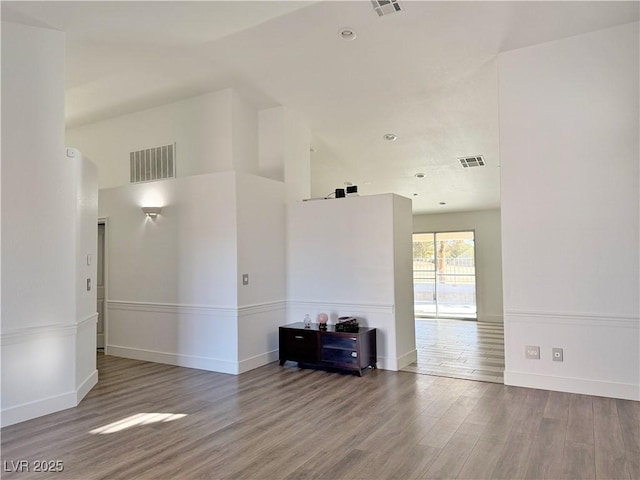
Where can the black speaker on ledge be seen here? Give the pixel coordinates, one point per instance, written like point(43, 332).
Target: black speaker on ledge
point(339, 192)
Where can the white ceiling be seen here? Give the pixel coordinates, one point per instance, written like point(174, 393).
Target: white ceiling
point(427, 74)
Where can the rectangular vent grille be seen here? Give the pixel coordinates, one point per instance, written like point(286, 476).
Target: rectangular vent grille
point(152, 164)
point(386, 7)
point(476, 161)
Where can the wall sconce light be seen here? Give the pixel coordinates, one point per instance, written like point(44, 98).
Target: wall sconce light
point(152, 212)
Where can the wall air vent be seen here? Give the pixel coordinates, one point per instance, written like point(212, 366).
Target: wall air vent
point(152, 164)
point(477, 161)
point(386, 7)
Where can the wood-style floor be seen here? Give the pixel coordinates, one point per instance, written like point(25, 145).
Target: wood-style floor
point(460, 349)
point(287, 423)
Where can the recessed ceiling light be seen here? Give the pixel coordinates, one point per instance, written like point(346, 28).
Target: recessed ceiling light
point(419, 175)
point(415, 194)
point(347, 33)
point(443, 203)
point(391, 137)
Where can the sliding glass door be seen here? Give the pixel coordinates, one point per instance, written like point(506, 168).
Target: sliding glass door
point(444, 275)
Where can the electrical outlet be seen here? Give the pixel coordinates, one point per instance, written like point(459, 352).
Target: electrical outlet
point(532, 352)
point(557, 354)
point(245, 279)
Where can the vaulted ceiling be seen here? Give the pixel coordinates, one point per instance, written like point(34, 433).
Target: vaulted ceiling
point(427, 74)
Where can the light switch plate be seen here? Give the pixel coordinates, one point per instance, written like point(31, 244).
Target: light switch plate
point(245, 279)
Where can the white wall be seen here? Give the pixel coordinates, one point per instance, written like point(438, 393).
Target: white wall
point(38, 181)
point(271, 139)
point(284, 143)
point(42, 311)
point(260, 213)
point(86, 178)
point(187, 255)
point(202, 128)
point(486, 225)
point(172, 281)
point(341, 260)
point(403, 278)
point(569, 144)
point(244, 133)
point(261, 218)
point(175, 284)
point(86, 185)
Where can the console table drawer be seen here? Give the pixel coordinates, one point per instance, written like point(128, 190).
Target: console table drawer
point(340, 356)
point(299, 345)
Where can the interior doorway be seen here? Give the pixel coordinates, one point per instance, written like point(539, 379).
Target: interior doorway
point(444, 275)
point(100, 284)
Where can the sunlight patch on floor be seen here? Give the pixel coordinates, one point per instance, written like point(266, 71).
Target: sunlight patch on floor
point(137, 420)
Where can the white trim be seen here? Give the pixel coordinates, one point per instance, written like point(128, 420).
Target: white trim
point(265, 307)
point(407, 359)
point(45, 406)
point(387, 363)
point(154, 307)
point(88, 320)
point(105, 269)
point(396, 364)
point(490, 318)
point(86, 386)
point(257, 361)
point(574, 318)
point(354, 307)
point(573, 385)
point(38, 408)
point(22, 335)
point(180, 360)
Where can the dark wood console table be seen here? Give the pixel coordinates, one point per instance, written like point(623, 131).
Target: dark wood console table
point(328, 348)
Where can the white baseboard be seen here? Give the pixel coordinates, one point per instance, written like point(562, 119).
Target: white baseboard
point(407, 359)
point(573, 385)
point(86, 386)
point(39, 408)
point(386, 363)
point(491, 318)
point(395, 364)
point(190, 361)
point(45, 406)
point(257, 361)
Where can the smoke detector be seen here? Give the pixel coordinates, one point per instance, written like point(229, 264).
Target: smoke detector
point(386, 7)
point(477, 161)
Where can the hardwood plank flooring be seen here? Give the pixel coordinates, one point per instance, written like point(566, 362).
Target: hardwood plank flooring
point(289, 423)
point(464, 349)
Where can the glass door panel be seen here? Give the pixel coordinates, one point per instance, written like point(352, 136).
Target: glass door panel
point(424, 274)
point(444, 275)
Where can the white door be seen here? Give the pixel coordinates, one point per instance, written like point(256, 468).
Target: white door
point(100, 286)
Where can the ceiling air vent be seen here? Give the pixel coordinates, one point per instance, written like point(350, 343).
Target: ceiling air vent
point(386, 7)
point(152, 163)
point(476, 161)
